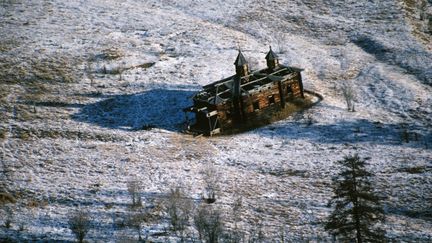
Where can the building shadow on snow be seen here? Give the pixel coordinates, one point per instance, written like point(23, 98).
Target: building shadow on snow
point(157, 108)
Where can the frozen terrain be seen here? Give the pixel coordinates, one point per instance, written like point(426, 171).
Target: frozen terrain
point(91, 94)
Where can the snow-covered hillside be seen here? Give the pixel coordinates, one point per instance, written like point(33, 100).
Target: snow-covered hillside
point(91, 97)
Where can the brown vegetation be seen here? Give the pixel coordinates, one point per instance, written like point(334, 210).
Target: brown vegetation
point(6, 198)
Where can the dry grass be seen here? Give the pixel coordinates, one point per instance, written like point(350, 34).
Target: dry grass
point(23, 135)
point(422, 28)
point(32, 69)
point(109, 54)
point(415, 170)
point(25, 80)
point(32, 133)
point(411, 4)
point(295, 105)
point(48, 70)
point(3, 134)
point(6, 198)
point(56, 69)
point(4, 104)
point(34, 203)
point(8, 44)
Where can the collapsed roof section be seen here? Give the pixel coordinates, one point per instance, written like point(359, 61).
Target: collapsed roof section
point(223, 90)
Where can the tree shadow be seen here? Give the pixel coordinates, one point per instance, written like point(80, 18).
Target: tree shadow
point(351, 132)
point(156, 108)
point(98, 203)
point(414, 59)
point(54, 104)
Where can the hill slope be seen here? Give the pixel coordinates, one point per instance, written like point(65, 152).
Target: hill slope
point(80, 79)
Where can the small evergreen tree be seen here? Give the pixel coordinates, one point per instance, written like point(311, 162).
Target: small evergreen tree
point(357, 209)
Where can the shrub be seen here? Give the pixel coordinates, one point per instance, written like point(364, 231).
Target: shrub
point(211, 183)
point(134, 188)
point(24, 135)
point(3, 134)
point(280, 40)
point(6, 198)
point(8, 223)
point(79, 224)
point(208, 223)
point(179, 208)
point(8, 217)
point(135, 221)
point(21, 227)
point(349, 95)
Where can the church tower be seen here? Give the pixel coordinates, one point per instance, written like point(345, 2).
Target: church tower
point(241, 65)
point(272, 60)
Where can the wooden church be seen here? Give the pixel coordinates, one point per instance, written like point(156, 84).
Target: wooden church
point(245, 97)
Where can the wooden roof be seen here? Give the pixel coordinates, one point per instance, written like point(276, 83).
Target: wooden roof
point(271, 55)
point(240, 60)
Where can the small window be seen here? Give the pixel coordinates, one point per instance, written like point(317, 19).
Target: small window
point(289, 89)
point(271, 99)
point(256, 105)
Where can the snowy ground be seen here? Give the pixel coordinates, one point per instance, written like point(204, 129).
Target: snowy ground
point(71, 121)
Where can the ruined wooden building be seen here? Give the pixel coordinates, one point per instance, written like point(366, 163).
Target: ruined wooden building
point(244, 97)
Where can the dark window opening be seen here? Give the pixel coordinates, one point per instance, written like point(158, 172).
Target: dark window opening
point(289, 90)
point(271, 99)
point(256, 105)
point(228, 114)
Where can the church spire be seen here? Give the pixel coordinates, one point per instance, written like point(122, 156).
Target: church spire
point(272, 59)
point(241, 65)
